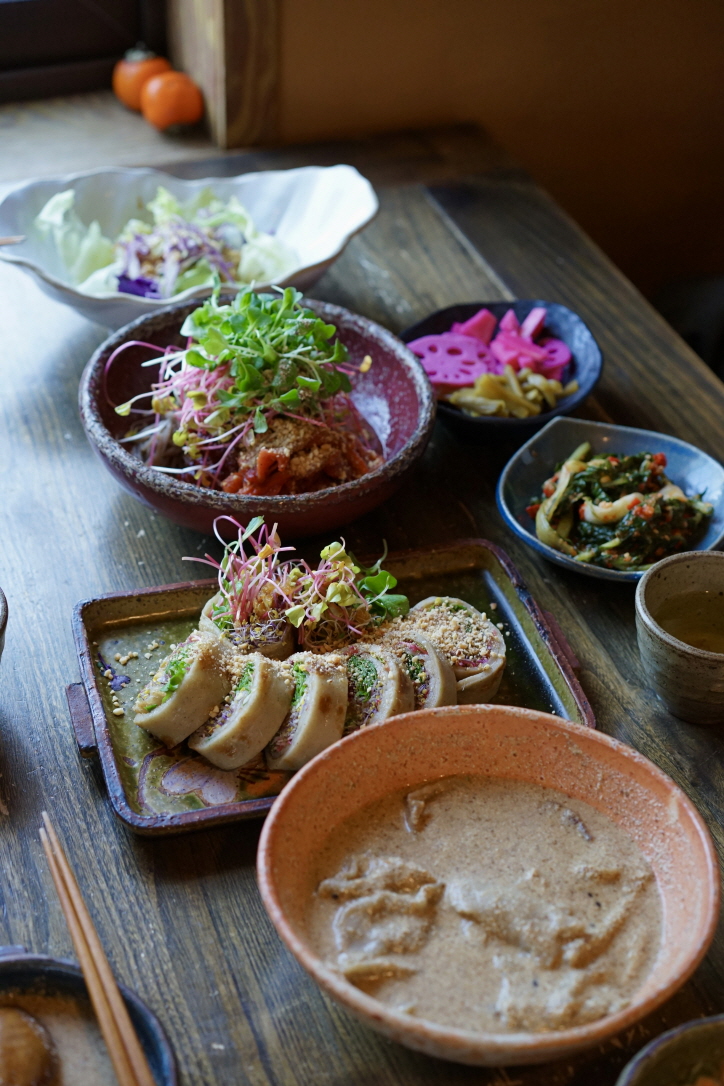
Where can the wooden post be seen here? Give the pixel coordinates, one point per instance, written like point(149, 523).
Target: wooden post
point(231, 49)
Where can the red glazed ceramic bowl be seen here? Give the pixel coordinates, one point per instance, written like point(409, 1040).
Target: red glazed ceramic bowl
point(394, 395)
point(494, 741)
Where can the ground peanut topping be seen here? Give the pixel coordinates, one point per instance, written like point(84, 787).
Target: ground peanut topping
point(459, 633)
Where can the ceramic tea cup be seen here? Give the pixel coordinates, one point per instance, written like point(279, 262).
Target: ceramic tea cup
point(690, 681)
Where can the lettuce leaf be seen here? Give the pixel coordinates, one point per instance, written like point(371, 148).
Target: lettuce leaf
point(83, 250)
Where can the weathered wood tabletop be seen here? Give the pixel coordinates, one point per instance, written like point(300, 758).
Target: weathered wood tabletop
point(181, 917)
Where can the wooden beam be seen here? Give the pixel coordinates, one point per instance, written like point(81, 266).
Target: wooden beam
point(231, 49)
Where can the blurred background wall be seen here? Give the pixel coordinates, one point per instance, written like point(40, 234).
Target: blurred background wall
point(616, 106)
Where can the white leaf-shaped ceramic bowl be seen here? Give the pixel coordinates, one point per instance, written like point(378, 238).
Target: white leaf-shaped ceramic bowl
point(315, 210)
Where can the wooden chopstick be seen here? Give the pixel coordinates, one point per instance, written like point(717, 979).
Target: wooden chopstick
point(127, 1056)
point(13, 240)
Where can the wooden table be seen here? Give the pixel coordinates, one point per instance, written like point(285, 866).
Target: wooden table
point(181, 917)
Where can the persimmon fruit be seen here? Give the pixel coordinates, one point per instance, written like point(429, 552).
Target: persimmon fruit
point(171, 98)
point(132, 72)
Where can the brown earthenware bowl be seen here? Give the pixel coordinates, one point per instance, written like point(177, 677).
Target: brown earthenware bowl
point(394, 395)
point(495, 741)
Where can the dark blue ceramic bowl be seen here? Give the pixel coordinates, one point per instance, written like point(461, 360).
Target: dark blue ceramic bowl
point(678, 1057)
point(534, 462)
point(3, 620)
point(563, 323)
point(30, 973)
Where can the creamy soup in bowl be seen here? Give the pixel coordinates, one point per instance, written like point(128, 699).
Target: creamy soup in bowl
point(490, 884)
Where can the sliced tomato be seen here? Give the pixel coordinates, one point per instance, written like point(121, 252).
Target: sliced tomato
point(233, 483)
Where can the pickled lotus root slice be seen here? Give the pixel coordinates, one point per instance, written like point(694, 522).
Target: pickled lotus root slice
point(430, 670)
point(272, 636)
point(378, 687)
point(186, 687)
point(27, 1052)
point(452, 360)
point(473, 645)
point(316, 718)
point(241, 727)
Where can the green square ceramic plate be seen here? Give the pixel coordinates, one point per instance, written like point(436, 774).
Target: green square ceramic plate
point(156, 790)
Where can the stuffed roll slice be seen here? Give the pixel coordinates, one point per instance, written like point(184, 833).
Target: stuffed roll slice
point(319, 707)
point(184, 690)
point(377, 687)
point(260, 699)
point(272, 636)
point(471, 642)
point(431, 672)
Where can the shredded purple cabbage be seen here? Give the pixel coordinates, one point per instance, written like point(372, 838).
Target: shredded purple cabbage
point(181, 245)
point(116, 682)
point(144, 288)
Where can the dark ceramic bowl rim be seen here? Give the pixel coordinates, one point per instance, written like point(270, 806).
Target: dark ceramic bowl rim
point(632, 1068)
point(190, 494)
point(571, 402)
point(643, 613)
point(39, 965)
point(530, 538)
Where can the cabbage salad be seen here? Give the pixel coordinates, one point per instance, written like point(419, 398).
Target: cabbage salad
point(184, 245)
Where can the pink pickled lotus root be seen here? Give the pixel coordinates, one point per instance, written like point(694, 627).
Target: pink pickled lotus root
point(455, 359)
point(532, 326)
point(481, 325)
point(514, 346)
point(452, 360)
point(558, 358)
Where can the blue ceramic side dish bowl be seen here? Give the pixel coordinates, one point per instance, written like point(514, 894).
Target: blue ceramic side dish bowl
point(27, 975)
point(678, 1057)
point(524, 474)
point(562, 323)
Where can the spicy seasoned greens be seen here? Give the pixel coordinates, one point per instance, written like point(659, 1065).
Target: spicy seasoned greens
point(619, 512)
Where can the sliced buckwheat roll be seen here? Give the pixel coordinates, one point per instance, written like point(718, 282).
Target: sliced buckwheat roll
point(378, 687)
point(187, 685)
point(272, 636)
point(319, 707)
point(473, 645)
point(431, 672)
point(260, 698)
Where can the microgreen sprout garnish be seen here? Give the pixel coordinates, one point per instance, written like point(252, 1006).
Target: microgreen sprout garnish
point(329, 605)
point(252, 578)
point(338, 600)
point(246, 362)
